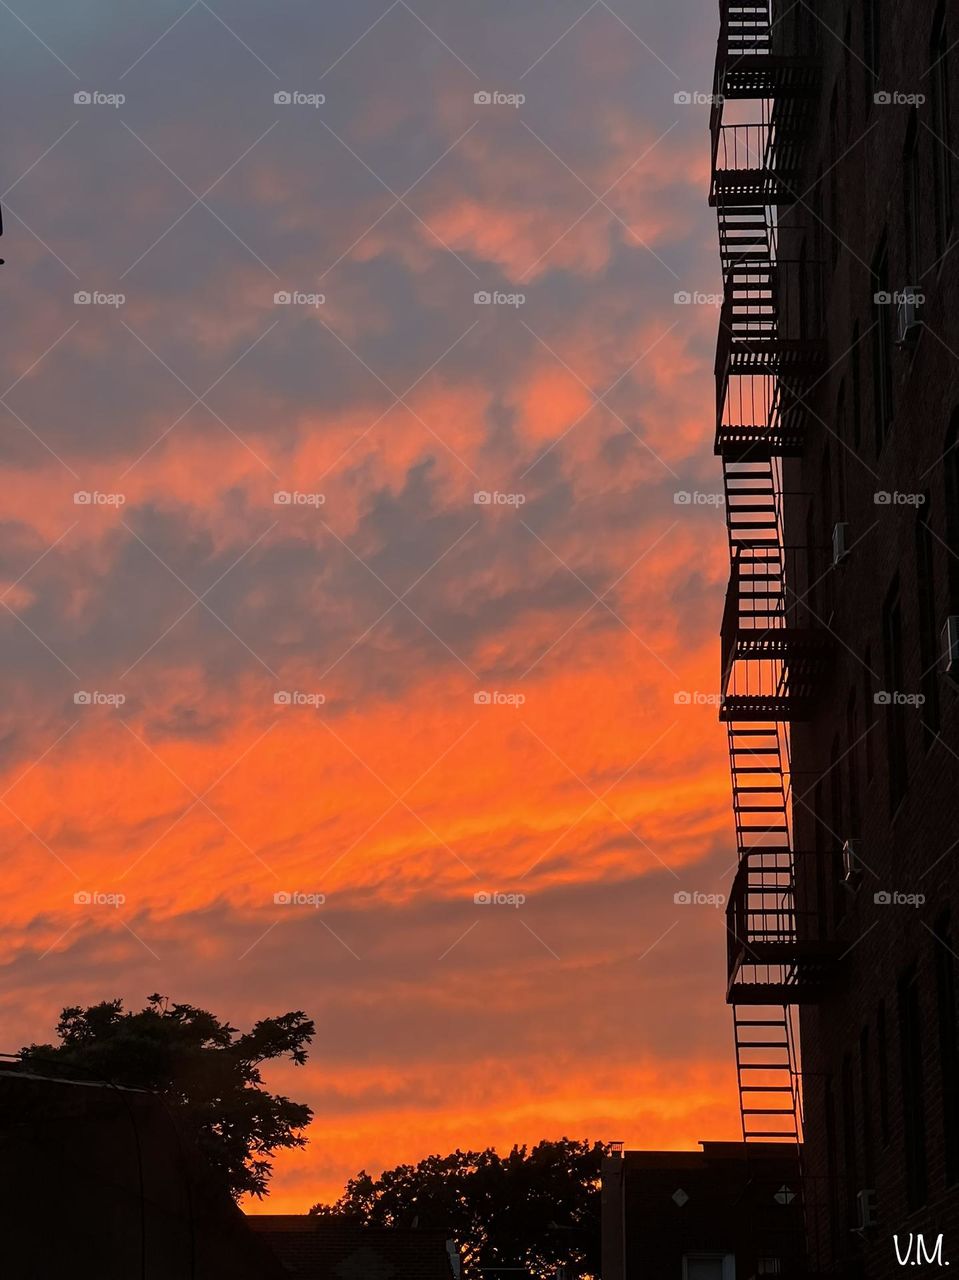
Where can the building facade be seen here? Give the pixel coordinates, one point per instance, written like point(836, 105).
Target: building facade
point(835, 162)
point(731, 1210)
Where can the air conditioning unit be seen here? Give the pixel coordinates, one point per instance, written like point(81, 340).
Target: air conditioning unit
point(908, 324)
point(851, 864)
point(866, 1209)
point(950, 645)
point(840, 538)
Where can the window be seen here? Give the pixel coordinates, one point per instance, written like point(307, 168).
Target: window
point(881, 347)
point(836, 824)
point(853, 748)
point(928, 646)
point(951, 481)
point(869, 710)
point(832, 1174)
point(709, 1266)
point(856, 358)
point(948, 1043)
point(911, 198)
point(850, 1170)
point(913, 1112)
point(941, 141)
point(871, 33)
point(893, 710)
point(883, 1056)
point(865, 1094)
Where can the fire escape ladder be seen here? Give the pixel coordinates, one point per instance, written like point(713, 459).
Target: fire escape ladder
point(768, 349)
point(764, 1067)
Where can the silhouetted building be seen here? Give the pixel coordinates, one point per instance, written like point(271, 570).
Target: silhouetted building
point(97, 1183)
point(315, 1248)
point(728, 1212)
point(835, 130)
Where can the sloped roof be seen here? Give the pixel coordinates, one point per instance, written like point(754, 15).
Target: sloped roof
point(313, 1248)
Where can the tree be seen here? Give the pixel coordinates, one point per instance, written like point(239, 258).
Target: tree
point(207, 1072)
point(530, 1209)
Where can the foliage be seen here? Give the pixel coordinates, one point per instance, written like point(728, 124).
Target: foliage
point(206, 1071)
point(530, 1209)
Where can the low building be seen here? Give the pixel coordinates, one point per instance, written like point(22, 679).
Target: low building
point(314, 1248)
point(731, 1211)
point(98, 1182)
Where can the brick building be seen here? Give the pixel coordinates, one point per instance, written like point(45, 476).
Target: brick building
point(835, 135)
point(728, 1212)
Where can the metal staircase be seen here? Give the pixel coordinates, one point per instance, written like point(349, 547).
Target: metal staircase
point(774, 657)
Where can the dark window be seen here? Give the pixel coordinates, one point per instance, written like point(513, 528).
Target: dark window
point(832, 1173)
point(882, 1054)
point(865, 1093)
point(853, 750)
point(951, 481)
point(834, 835)
point(842, 429)
point(948, 1044)
point(928, 647)
point(847, 72)
point(913, 1113)
point(871, 34)
point(856, 356)
point(893, 709)
point(911, 198)
point(850, 1174)
point(941, 141)
point(882, 313)
point(869, 711)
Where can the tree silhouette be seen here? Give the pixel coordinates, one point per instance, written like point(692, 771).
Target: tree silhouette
point(532, 1209)
point(207, 1072)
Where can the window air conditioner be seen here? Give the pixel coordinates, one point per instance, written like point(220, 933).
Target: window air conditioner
point(851, 866)
point(839, 539)
point(950, 645)
point(866, 1209)
point(908, 324)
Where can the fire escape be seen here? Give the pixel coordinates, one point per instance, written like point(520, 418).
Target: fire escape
point(774, 651)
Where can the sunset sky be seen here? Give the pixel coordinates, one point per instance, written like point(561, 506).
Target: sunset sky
point(384, 596)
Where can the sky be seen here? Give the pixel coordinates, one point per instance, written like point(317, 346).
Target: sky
point(362, 559)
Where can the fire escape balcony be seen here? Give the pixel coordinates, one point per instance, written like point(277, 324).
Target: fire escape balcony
point(779, 946)
point(746, 64)
point(760, 417)
point(775, 656)
point(769, 323)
